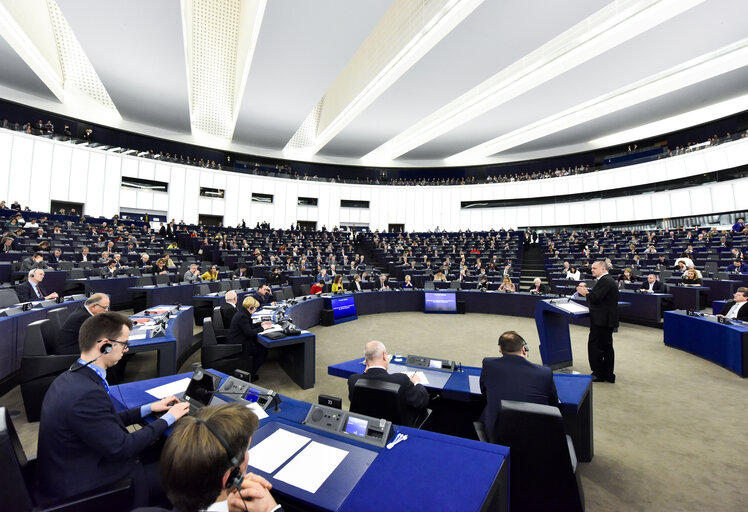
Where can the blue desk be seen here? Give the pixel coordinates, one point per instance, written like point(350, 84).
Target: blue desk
point(149, 296)
point(118, 289)
point(688, 297)
point(574, 392)
point(173, 345)
point(429, 471)
point(298, 356)
point(726, 345)
point(13, 334)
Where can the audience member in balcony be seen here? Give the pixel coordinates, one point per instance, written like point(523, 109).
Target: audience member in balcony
point(88, 135)
point(737, 267)
point(738, 227)
point(32, 289)
point(691, 278)
point(33, 262)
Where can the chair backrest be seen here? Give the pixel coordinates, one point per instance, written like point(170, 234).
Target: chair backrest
point(209, 334)
point(218, 318)
point(86, 264)
point(379, 399)
point(8, 297)
point(664, 274)
point(133, 271)
point(40, 336)
point(163, 279)
point(76, 273)
point(13, 460)
point(454, 285)
point(235, 284)
point(255, 282)
point(65, 265)
point(224, 286)
point(542, 458)
point(429, 285)
point(305, 289)
point(202, 289)
point(144, 281)
point(58, 317)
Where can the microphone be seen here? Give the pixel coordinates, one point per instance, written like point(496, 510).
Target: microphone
point(271, 396)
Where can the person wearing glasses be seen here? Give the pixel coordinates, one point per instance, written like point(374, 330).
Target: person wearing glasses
point(67, 336)
point(83, 442)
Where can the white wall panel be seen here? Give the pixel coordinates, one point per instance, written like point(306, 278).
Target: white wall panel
point(128, 198)
point(680, 203)
point(592, 212)
point(6, 144)
point(59, 181)
point(163, 172)
point(20, 165)
point(130, 166)
point(701, 200)
point(643, 206)
point(607, 210)
point(176, 193)
point(576, 213)
point(205, 206)
point(41, 168)
point(661, 205)
point(95, 189)
point(740, 193)
point(722, 197)
point(191, 194)
point(113, 180)
point(146, 169)
point(145, 199)
point(625, 208)
point(79, 181)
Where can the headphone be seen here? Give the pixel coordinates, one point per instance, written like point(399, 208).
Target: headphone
point(235, 478)
point(106, 348)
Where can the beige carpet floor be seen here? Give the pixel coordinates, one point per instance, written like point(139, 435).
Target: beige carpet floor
point(670, 435)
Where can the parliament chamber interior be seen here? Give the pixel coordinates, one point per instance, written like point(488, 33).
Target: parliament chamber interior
point(324, 256)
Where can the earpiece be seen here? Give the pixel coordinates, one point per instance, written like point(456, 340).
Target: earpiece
point(235, 478)
point(106, 348)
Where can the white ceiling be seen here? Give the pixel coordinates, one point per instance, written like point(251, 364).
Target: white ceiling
point(138, 50)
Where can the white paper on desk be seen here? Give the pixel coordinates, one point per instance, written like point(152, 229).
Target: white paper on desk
point(310, 468)
point(275, 449)
point(424, 380)
point(172, 388)
point(571, 307)
point(474, 382)
point(259, 412)
point(137, 336)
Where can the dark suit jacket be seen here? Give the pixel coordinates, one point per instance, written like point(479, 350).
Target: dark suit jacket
point(657, 286)
point(26, 292)
point(67, 338)
point(227, 313)
point(416, 396)
point(242, 330)
point(742, 312)
point(79, 257)
point(603, 302)
point(28, 263)
point(263, 299)
point(544, 288)
point(83, 442)
point(104, 273)
point(513, 378)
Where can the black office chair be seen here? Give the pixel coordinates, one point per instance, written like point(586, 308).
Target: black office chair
point(429, 285)
point(219, 327)
point(255, 282)
point(202, 289)
point(16, 486)
point(8, 297)
point(133, 271)
point(162, 279)
point(224, 357)
point(235, 284)
point(543, 457)
point(454, 285)
point(305, 289)
point(65, 265)
point(224, 286)
point(39, 367)
point(58, 317)
point(382, 399)
point(144, 281)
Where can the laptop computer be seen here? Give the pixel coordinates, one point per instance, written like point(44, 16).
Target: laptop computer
point(200, 391)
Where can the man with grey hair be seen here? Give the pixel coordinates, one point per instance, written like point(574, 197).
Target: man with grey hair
point(229, 308)
point(67, 338)
point(192, 275)
point(377, 361)
point(32, 288)
point(602, 300)
point(539, 287)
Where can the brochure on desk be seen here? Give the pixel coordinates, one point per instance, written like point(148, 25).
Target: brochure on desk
point(569, 306)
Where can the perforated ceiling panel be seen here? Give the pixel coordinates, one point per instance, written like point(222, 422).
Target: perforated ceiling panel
point(77, 70)
point(213, 40)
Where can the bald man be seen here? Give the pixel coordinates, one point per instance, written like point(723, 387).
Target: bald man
point(67, 338)
point(377, 362)
point(229, 308)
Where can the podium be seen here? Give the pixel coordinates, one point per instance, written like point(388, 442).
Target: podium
point(552, 320)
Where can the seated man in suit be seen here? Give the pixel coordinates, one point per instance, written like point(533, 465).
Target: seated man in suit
point(83, 442)
point(32, 288)
point(539, 287)
point(381, 283)
point(67, 338)
point(652, 285)
point(110, 271)
point(229, 308)
point(513, 377)
point(734, 308)
point(214, 471)
point(275, 278)
point(192, 275)
point(83, 255)
point(737, 267)
point(377, 361)
point(35, 261)
point(241, 272)
point(56, 256)
point(263, 295)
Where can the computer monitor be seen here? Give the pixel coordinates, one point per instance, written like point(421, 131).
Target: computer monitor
point(439, 302)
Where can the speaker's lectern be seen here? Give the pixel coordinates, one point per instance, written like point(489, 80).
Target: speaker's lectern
point(552, 319)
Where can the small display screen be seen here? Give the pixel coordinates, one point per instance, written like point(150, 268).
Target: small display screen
point(356, 426)
point(440, 302)
point(343, 307)
point(252, 395)
point(435, 364)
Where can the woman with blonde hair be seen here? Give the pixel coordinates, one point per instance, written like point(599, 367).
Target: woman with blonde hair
point(507, 285)
point(244, 331)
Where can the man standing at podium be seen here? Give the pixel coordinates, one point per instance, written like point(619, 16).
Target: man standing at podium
point(602, 300)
